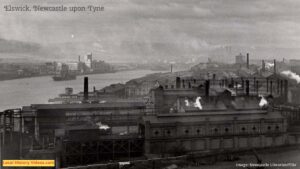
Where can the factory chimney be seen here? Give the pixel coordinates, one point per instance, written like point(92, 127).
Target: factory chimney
point(248, 60)
point(171, 68)
point(274, 66)
point(247, 87)
point(79, 58)
point(207, 86)
point(178, 82)
point(86, 88)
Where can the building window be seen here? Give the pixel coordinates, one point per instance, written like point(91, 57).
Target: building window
point(216, 130)
point(226, 130)
point(277, 127)
point(168, 132)
point(254, 128)
point(269, 127)
point(166, 86)
point(172, 86)
point(243, 129)
point(198, 131)
point(156, 133)
point(186, 131)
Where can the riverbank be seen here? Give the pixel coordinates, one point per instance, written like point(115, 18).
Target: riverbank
point(37, 90)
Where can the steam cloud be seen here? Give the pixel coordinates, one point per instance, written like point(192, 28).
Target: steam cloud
point(269, 65)
point(197, 103)
point(291, 75)
point(263, 102)
point(102, 126)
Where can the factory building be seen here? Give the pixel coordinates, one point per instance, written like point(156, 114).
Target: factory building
point(210, 119)
point(209, 115)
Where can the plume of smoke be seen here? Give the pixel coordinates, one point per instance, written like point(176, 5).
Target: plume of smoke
point(263, 102)
point(269, 65)
point(187, 103)
point(102, 126)
point(198, 103)
point(291, 75)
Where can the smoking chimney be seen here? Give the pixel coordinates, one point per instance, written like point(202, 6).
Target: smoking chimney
point(248, 60)
point(207, 86)
point(178, 82)
point(86, 88)
point(247, 87)
point(274, 66)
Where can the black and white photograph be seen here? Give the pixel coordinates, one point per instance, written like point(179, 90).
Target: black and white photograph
point(150, 84)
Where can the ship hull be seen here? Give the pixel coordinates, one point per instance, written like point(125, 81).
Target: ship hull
point(59, 78)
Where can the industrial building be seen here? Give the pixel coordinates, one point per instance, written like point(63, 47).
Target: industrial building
point(197, 115)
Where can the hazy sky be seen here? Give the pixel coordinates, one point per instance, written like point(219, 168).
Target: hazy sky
point(131, 30)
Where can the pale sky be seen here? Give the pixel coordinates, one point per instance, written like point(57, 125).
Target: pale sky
point(138, 30)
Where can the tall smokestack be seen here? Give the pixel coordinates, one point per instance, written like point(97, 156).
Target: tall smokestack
point(171, 68)
point(247, 87)
point(263, 66)
point(86, 88)
point(248, 60)
point(78, 58)
point(274, 66)
point(207, 86)
point(178, 82)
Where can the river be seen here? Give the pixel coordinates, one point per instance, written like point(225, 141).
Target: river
point(37, 90)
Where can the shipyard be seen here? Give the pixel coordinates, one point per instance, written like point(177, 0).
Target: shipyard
point(185, 115)
point(150, 85)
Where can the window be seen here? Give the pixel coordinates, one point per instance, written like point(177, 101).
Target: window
point(186, 131)
point(156, 133)
point(168, 132)
point(277, 127)
point(198, 131)
point(254, 128)
point(226, 130)
point(269, 127)
point(216, 130)
point(243, 129)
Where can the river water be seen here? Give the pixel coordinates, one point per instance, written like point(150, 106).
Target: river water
point(37, 90)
